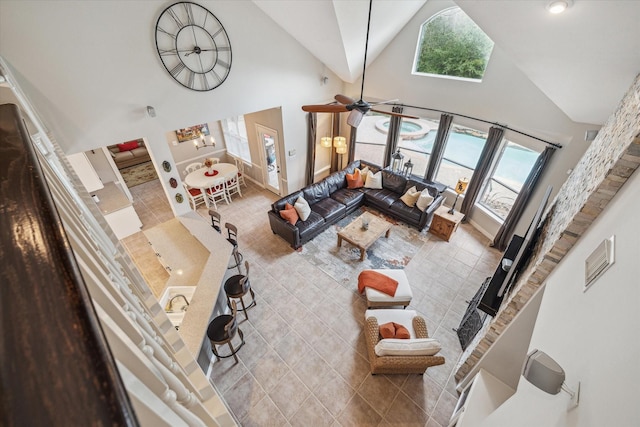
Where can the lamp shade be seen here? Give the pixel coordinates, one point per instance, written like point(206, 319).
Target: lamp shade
point(325, 142)
point(339, 141)
point(342, 149)
point(461, 186)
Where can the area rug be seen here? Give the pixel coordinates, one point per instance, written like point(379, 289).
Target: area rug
point(341, 263)
point(139, 174)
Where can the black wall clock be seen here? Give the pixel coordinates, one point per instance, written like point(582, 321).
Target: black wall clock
point(193, 46)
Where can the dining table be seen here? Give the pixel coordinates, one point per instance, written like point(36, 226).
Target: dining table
point(201, 179)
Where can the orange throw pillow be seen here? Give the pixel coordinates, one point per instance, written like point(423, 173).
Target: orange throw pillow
point(289, 214)
point(387, 330)
point(354, 180)
point(394, 330)
point(402, 332)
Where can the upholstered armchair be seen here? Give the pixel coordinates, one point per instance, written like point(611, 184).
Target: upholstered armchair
point(393, 356)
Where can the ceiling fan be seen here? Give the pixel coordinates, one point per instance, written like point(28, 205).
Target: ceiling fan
point(358, 108)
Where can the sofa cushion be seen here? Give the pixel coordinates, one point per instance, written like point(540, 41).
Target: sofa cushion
point(329, 209)
point(421, 186)
point(403, 317)
point(380, 198)
point(140, 152)
point(352, 166)
point(123, 156)
point(311, 225)
point(316, 192)
point(348, 197)
point(374, 180)
point(289, 214)
point(394, 182)
point(336, 181)
point(302, 207)
point(413, 347)
point(400, 209)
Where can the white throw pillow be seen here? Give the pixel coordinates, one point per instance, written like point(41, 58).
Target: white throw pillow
point(364, 172)
point(413, 347)
point(302, 207)
point(410, 197)
point(424, 200)
point(374, 180)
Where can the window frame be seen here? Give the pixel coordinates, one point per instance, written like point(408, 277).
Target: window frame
point(506, 139)
point(236, 138)
point(420, 41)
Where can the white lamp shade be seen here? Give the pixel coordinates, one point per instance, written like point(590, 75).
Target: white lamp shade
point(339, 141)
point(325, 142)
point(341, 149)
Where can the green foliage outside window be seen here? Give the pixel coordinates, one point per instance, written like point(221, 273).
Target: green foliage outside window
point(453, 45)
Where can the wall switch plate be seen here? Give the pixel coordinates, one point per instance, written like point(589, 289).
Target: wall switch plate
point(292, 152)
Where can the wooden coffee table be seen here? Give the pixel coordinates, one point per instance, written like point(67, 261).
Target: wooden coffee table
point(360, 238)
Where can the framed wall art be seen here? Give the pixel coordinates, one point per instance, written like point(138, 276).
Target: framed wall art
point(193, 132)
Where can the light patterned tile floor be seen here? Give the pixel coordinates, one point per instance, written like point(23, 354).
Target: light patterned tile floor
point(305, 362)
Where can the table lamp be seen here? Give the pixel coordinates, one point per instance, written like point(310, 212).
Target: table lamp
point(460, 188)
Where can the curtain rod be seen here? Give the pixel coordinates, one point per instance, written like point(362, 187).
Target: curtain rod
point(553, 144)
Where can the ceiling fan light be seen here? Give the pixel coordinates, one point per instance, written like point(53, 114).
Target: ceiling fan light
point(354, 118)
point(559, 6)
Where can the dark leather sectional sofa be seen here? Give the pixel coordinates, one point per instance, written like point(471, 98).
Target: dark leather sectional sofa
point(330, 200)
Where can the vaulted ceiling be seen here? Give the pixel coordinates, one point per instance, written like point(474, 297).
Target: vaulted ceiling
point(583, 60)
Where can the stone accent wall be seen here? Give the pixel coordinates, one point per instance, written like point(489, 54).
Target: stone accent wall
point(608, 163)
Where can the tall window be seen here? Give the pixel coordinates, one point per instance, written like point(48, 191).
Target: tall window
point(416, 142)
point(507, 179)
point(371, 139)
point(461, 154)
point(451, 44)
point(235, 137)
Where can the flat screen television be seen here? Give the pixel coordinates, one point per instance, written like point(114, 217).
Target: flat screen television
point(513, 261)
point(521, 258)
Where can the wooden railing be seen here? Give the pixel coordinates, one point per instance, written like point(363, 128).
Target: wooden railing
point(56, 367)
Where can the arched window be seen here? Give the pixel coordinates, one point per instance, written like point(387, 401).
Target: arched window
point(452, 45)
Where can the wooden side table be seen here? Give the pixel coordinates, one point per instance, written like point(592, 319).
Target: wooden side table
point(445, 224)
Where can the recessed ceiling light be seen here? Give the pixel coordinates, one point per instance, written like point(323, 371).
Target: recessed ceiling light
point(559, 6)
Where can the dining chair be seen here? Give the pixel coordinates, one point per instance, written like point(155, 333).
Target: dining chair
point(233, 186)
point(236, 287)
point(217, 192)
point(192, 167)
point(195, 195)
point(222, 330)
point(240, 166)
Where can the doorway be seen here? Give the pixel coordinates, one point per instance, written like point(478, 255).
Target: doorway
point(269, 143)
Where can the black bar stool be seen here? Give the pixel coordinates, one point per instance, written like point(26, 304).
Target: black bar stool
point(237, 287)
point(222, 330)
point(232, 237)
point(215, 220)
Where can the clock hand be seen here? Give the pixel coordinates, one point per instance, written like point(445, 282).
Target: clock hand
point(196, 50)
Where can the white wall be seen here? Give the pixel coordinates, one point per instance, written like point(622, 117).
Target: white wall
point(505, 96)
point(592, 335)
point(91, 68)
